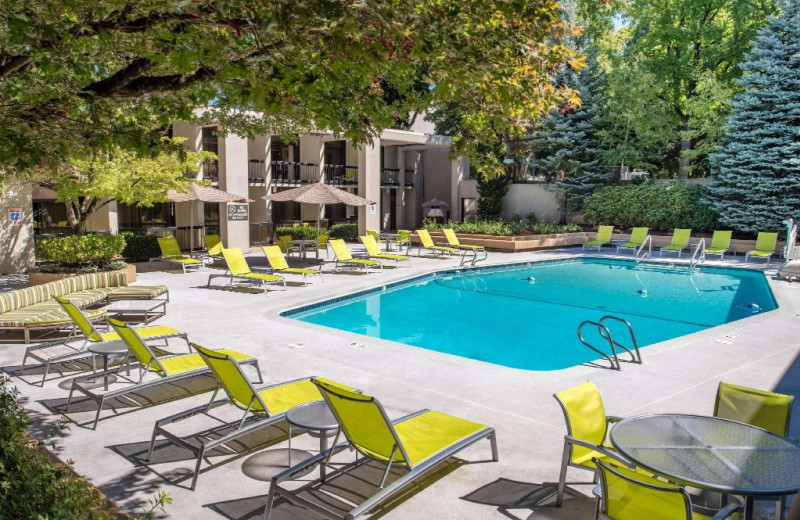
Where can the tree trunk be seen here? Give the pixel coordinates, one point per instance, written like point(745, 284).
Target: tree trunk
point(684, 163)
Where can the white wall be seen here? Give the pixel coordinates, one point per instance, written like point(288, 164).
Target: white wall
point(16, 242)
point(531, 198)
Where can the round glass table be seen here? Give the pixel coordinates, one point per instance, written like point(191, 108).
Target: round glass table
point(711, 453)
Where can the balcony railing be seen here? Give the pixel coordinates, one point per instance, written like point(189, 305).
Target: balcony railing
point(256, 171)
point(391, 177)
point(341, 175)
point(289, 172)
point(211, 171)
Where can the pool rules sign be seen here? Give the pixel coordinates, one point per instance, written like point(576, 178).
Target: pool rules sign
point(238, 212)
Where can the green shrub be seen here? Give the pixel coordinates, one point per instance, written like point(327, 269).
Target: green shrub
point(140, 248)
point(347, 232)
point(300, 232)
point(655, 206)
point(500, 228)
point(81, 250)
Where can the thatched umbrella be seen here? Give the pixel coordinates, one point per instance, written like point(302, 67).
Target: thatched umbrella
point(318, 193)
point(197, 193)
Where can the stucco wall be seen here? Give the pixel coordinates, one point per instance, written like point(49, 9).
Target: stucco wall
point(522, 199)
point(16, 241)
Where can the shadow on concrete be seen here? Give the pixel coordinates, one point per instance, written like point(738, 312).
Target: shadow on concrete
point(532, 500)
point(790, 384)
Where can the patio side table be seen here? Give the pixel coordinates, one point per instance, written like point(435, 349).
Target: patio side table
point(320, 422)
point(143, 311)
point(106, 349)
point(711, 453)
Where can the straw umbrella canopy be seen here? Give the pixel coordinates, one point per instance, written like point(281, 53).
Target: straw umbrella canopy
point(197, 193)
point(318, 193)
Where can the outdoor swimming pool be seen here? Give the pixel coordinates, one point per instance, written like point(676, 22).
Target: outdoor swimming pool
point(526, 316)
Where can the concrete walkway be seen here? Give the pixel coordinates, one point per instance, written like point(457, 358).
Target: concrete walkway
point(680, 375)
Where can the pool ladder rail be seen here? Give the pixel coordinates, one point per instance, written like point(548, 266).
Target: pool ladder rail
point(605, 333)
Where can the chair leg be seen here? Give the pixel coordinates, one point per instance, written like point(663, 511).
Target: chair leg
point(152, 443)
point(46, 369)
point(562, 478)
point(197, 467)
point(493, 443)
point(99, 409)
point(270, 500)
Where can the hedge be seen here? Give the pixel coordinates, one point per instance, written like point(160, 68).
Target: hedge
point(500, 228)
point(300, 232)
point(347, 232)
point(140, 248)
point(81, 250)
point(655, 206)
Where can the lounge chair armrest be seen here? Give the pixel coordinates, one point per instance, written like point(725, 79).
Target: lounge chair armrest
point(47, 344)
point(726, 511)
point(600, 449)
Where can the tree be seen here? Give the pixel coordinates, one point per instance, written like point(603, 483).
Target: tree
point(89, 76)
point(690, 50)
point(756, 168)
point(88, 183)
point(567, 144)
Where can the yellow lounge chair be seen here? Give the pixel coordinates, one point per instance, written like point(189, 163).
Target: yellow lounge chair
point(637, 238)
point(452, 241)
point(679, 242)
point(285, 246)
point(720, 243)
point(603, 237)
point(765, 246)
point(166, 369)
point(587, 429)
point(374, 251)
point(419, 443)
point(629, 495)
point(343, 256)
point(214, 246)
point(59, 351)
point(263, 407)
point(278, 263)
point(239, 270)
point(322, 243)
point(426, 241)
point(170, 252)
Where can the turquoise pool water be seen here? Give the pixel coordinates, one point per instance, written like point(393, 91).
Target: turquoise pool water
point(526, 316)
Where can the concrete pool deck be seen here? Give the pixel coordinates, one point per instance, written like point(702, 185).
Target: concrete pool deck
point(679, 375)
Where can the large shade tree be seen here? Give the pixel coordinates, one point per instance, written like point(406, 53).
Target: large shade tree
point(83, 76)
point(756, 168)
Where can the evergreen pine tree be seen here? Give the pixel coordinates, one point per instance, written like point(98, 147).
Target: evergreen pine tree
point(567, 145)
point(756, 168)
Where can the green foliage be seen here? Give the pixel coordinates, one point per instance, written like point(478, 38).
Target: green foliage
point(31, 484)
point(756, 168)
point(500, 228)
point(348, 232)
point(491, 191)
point(301, 232)
point(655, 206)
point(140, 248)
point(81, 250)
point(93, 75)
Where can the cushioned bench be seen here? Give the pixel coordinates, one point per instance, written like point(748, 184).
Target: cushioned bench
point(34, 308)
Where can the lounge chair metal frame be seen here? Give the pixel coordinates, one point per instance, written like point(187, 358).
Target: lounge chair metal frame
point(250, 421)
point(80, 352)
point(351, 262)
point(414, 472)
point(290, 270)
point(425, 241)
point(453, 242)
point(242, 276)
point(175, 259)
point(154, 366)
point(371, 245)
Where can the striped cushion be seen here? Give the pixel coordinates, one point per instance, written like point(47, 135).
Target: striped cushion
point(41, 314)
point(137, 292)
point(22, 298)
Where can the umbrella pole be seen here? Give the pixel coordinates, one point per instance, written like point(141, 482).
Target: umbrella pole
point(316, 246)
point(191, 231)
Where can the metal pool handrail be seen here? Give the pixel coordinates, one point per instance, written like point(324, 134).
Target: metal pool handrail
point(636, 356)
point(613, 360)
point(701, 250)
point(647, 242)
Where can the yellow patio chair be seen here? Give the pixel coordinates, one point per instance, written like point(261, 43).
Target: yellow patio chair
point(603, 238)
point(263, 407)
point(238, 269)
point(452, 241)
point(628, 495)
point(322, 243)
point(278, 263)
point(213, 246)
point(343, 256)
point(587, 431)
point(374, 251)
point(765, 246)
point(720, 243)
point(374, 234)
point(58, 352)
point(165, 369)
point(426, 241)
point(679, 242)
point(418, 443)
point(404, 239)
point(170, 252)
point(286, 247)
point(637, 238)
point(767, 410)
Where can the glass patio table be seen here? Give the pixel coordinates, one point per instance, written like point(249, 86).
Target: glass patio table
point(711, 453)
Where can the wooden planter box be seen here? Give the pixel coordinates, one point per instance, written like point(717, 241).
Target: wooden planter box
point(514, 243)
point(37, 278)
